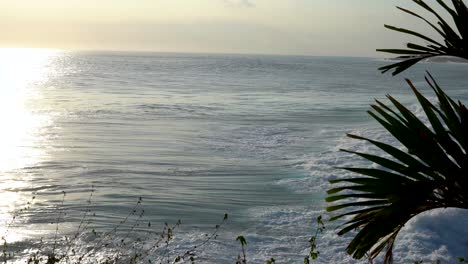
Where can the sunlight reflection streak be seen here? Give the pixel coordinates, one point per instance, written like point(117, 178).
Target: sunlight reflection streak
point(21, 73)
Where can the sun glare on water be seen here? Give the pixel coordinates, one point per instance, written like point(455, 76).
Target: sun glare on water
point(22, 71)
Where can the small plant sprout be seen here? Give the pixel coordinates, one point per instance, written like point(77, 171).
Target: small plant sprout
point(313, 252)
point(242, 259)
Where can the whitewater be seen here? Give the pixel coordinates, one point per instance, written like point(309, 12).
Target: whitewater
point(196, 136)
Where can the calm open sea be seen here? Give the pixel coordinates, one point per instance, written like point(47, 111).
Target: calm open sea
point(197, 136)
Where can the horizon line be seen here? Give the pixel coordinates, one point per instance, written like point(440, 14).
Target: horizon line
point(185, 52)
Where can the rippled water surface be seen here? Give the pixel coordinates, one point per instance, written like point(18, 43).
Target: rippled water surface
point(197, 136)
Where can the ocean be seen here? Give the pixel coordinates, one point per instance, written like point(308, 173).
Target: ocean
point(86, 135)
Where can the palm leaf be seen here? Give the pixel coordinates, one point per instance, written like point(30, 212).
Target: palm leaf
point(431, 172)
point(455, 39)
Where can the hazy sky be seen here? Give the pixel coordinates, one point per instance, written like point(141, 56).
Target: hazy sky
point(314, 27)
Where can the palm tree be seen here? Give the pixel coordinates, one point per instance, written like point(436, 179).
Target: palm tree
point(432, 169)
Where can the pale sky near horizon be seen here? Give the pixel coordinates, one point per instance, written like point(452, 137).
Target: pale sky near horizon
point(311, 27)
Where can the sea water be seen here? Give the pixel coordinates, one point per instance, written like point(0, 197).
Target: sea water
point(196, 136)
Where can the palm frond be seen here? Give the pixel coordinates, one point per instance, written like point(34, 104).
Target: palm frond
point(431, 172)
point(455, 39)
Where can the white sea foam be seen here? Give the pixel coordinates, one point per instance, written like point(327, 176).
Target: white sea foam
point(434, 235)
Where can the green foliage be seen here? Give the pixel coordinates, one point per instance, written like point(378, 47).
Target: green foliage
point(431, 172)
point(455, 39)
point(313, 253)
point(242, 259)
point(242, 240)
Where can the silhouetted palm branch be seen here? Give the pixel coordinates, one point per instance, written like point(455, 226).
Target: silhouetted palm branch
point(431, 173)
point(455, 40)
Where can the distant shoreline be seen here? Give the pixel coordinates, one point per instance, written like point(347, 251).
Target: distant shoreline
point(438, 59)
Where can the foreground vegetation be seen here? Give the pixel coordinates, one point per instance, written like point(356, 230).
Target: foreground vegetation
point(429, 169)
point(132, 240)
